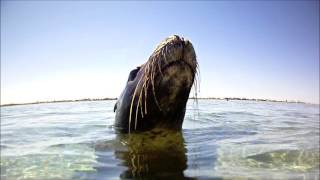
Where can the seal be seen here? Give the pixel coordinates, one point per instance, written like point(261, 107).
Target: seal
point(154, 154)
point(157, 92)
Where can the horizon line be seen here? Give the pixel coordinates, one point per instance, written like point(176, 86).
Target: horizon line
point(114, 98)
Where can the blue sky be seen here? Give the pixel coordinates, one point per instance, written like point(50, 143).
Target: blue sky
point(55, 50)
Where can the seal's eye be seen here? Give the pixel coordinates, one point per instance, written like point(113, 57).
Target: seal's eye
point(133, 74)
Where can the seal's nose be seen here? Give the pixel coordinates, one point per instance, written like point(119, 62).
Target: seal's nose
point(186, 42)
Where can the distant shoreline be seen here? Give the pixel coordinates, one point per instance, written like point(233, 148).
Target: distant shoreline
point(59, 101)
point(106, 99)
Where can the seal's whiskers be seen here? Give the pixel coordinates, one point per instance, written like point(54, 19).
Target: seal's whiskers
point(159, 66)
point(137, 110)
point(131, 105)
point(164, 55)
point(139, 103)
point(152, 83)
point(145, 95)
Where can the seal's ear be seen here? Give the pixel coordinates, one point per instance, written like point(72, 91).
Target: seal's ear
point(115, 107)
point(133, 74)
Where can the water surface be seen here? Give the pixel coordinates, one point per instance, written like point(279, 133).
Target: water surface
point(220, 139)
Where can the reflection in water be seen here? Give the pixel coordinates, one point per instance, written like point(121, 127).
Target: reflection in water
point(154, 154)
point(227, 140)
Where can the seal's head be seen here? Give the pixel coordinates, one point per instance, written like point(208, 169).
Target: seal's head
point(157, 91)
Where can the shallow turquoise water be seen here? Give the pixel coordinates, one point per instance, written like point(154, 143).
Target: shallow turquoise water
point(220, 139)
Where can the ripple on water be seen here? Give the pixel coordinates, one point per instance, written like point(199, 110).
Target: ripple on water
point(221, 139)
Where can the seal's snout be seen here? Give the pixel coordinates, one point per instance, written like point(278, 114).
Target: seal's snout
point(176, 49)
point(179, 66)
point(189, 55)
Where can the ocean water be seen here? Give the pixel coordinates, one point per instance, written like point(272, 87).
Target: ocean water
point(220, 139)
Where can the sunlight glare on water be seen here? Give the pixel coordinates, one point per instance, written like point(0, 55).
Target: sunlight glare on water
point(220, 139)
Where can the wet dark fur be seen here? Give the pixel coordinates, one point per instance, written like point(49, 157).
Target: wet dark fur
point(160, 88)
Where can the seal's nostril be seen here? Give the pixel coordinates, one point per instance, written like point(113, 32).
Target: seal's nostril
point(176, 36)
